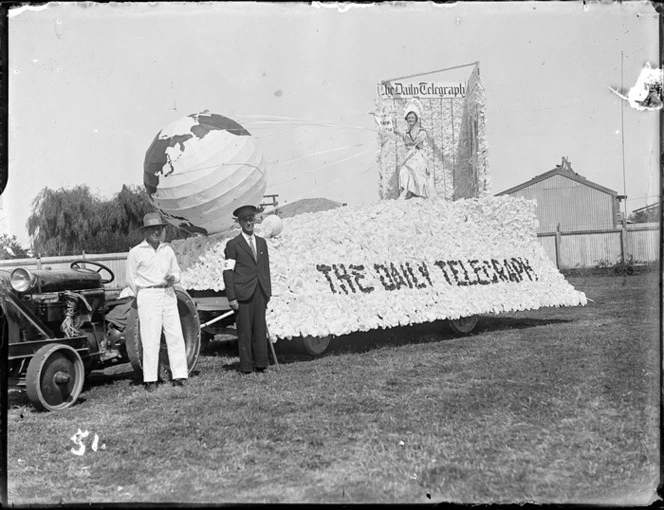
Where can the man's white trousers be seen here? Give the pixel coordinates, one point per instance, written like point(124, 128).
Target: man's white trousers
point(157, 309)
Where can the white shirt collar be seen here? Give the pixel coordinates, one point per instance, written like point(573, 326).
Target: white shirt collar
point(148, 245)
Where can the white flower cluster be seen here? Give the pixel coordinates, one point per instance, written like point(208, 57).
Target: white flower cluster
point(399, 262)
point(483, 172)
point(471, 168)
point(201, 260)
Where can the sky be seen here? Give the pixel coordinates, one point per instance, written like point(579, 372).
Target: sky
point(90, 85)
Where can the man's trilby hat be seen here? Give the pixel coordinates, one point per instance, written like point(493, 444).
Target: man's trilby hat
point(153, 220)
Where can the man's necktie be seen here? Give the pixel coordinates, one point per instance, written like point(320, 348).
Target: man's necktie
point(253, 248)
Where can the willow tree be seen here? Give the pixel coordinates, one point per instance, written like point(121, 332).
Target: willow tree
point(62, 219)
point(71, 221)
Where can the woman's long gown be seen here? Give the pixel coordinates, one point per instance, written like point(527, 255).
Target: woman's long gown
point(416, 174)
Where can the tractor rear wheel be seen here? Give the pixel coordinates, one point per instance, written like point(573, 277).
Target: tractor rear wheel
point(191, 330)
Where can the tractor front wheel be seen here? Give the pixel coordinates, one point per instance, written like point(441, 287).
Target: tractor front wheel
point(55, 376)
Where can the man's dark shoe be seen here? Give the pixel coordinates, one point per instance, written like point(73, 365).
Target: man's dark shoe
point(178, 382)
point(260, 370)
point(150, 386)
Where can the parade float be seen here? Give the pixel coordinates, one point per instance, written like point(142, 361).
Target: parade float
point(391, 263)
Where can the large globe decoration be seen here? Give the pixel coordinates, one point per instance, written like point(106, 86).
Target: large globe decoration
point(201, 168)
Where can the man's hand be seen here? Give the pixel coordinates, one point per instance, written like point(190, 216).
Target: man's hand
point(169, 279)
point(234, 305)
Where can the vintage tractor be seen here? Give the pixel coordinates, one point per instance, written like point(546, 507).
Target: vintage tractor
point(62, 324)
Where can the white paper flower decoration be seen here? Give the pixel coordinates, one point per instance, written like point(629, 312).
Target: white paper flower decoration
point(396, 262)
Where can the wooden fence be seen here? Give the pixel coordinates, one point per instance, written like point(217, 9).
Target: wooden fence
point(638, 243)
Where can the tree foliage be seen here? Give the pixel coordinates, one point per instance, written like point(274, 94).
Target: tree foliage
point(10, 248)
point(649, 215)
point(71, 221)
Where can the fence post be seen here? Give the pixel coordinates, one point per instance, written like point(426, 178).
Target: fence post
point(39, 261)
point(623, 242)
point(557, 246)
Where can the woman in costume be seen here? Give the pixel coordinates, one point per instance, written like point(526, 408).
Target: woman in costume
point(416, 177)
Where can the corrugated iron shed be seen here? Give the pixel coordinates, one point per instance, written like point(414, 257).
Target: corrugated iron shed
point(570, 200)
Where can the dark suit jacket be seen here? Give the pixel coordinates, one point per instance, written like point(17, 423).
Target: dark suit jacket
point(241, 282)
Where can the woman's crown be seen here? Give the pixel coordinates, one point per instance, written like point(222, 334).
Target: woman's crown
point(413, 105)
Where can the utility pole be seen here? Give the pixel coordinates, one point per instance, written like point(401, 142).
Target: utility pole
point(622, 135)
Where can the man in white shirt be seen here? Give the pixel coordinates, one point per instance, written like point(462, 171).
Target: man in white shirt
point(152, 270)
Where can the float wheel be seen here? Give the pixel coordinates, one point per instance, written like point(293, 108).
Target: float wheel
point(464, 325)
point(315, 345)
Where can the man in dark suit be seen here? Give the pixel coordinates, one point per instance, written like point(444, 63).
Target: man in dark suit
point(248, 289)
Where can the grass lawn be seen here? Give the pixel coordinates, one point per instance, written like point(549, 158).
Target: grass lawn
point(553, 406)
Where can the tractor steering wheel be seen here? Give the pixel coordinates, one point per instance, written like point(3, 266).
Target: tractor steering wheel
point(76, 266)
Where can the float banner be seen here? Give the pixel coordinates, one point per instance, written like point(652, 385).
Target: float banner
point(421, 89)
point(400, 262)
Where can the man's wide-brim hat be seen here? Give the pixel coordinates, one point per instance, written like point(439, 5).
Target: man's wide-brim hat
point(245, 211)
point(153, 220)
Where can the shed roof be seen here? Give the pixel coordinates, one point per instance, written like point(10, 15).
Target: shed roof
point(564, 169)
point(648, 208)
point(306, 205)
